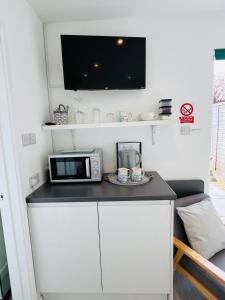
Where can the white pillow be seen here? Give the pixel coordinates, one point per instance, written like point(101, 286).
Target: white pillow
point(204, 228)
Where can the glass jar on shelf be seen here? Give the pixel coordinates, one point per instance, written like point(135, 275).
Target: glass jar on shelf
point(79, 114)
point(96, 115)
point(110, 118)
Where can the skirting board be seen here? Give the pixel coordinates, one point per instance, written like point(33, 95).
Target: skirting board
point(103, 297)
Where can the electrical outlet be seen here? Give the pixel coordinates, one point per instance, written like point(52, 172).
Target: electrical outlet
point(25, 139)
point(32, 138)
point(185, 130)
point(34, 180)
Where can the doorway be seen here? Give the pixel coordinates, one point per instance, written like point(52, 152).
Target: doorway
point(11, 199)
point(217, 157)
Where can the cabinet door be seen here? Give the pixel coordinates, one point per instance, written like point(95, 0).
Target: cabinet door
point(135, 241)
point(65, 245)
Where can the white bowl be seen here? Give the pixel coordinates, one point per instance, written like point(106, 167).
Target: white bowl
point(147, 116)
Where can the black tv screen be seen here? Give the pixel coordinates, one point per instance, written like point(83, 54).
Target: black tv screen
point(103, 62)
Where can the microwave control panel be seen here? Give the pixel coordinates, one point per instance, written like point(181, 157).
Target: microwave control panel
point(95, 168)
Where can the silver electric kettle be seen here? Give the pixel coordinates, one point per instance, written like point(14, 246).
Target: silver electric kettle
point(129, 158)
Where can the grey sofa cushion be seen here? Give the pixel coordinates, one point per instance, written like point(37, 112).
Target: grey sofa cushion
point(179, 231)
point(185, 188)
point(219, 260)
point(204, 227)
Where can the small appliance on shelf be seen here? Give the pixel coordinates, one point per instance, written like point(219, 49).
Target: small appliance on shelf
point(165, 109)
point(80, 165)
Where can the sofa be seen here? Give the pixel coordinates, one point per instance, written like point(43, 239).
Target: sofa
point(207, 275)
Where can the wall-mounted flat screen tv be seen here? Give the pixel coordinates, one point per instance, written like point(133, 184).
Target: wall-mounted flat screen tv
point(103, 62)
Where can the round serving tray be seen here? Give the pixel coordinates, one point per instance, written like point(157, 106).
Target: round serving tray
point(113, 179)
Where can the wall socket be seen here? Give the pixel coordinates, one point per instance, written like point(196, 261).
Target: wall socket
point(34, 180)
point(185, 130)
point(28, 139)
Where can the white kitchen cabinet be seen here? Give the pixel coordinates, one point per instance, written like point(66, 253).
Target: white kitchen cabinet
point(117, 247)
point(136, 248)
point(105, 249)
point(65, 243)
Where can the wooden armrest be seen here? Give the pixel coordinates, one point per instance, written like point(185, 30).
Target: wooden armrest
point(205, 264)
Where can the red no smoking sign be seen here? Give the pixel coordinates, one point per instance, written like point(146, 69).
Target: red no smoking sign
point(186, 110)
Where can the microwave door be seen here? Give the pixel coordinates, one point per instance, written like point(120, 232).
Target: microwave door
point(70, 168)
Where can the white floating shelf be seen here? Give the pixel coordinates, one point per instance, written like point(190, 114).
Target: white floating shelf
point(108, 125)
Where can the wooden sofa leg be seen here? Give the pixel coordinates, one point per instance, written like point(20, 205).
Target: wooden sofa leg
point(203, 290)
point(177, 259)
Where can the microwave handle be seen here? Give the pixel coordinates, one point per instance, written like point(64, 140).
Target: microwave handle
point(87, 160)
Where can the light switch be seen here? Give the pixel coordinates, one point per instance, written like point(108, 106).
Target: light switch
point(29, 139)
point(26, 139)
point(32, 138)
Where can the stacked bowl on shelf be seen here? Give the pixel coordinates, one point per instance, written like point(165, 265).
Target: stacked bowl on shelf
point(165, 109)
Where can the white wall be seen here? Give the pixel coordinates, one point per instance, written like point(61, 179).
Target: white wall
point(26, 60)
point(23, 41)
point(179, 65)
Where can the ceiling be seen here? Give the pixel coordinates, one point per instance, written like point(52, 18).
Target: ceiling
point(76, 10)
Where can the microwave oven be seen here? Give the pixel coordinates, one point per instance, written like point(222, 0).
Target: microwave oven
point(75, 166)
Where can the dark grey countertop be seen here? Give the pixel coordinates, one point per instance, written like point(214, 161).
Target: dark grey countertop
point(156, 189)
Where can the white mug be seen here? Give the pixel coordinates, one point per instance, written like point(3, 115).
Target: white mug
point(137, 174)
point(123, 175)
point(125, 116)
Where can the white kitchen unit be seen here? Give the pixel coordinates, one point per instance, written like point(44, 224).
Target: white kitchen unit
point(135, 240)
point(65, 243)
point(101, 242)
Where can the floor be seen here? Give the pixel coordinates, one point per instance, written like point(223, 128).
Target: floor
point(183, 290)
point(8, 297)
point(217, 193)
